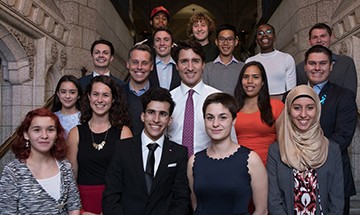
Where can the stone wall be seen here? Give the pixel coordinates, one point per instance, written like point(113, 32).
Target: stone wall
point(41, 40)
point(292, 21)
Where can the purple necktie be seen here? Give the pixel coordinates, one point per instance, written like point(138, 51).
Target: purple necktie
point(188, 127)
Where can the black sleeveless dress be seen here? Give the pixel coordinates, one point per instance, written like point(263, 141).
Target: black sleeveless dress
point(222, 186)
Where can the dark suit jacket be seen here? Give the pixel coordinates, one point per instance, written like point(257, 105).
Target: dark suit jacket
point(135, 110)
point(175, 79)
point(126, 192)
point(85, 81)
point(343, 73)
point(281, 183)
point(338, 121)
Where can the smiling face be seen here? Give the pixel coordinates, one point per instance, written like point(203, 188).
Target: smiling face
point(252, 81)
point(139, 65)
point(302, 113)
point(162, 44)
point(320, 37)
point(265, 38)
point(226, 42)
point(190, 67)
point(160, 20)
point(41, 134)
point(156, 119)
point(101, 56)
point(68, 94)
point(200, 30)
point(317, 68)
point(100, 98)
point(218, 122)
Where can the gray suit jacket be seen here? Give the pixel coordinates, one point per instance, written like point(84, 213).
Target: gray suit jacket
point(281, 183)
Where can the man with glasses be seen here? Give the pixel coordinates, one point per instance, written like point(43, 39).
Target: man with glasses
point(223, 72)
point(148, 172)
point(279, 66)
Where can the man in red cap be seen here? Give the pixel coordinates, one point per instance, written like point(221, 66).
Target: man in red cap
point(159, 18)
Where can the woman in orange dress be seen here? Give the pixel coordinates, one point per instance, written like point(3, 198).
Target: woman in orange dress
point(255, 122)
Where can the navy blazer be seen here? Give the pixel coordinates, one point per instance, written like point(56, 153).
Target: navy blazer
point(343, 73)
point(175, 79)
point(338, 121)
point(126, 191)
point(85, 81)
point(281, 183)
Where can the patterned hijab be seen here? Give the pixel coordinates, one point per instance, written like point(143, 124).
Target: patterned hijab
point(301, 150)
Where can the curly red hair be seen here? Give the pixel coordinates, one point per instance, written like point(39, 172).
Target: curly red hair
point(19, 148)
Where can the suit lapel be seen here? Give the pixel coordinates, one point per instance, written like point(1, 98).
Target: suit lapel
point(136, 153)
point(165, 158)
point(175, 78)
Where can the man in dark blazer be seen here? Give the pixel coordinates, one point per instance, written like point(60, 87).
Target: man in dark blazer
point(139, 65)
point(102, 54)
point(164, 73)
point(338, 110)
point(343, 70)
point(127, 190)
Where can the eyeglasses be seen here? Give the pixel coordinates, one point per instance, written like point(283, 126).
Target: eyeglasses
point(267, 32)
point(228, 39)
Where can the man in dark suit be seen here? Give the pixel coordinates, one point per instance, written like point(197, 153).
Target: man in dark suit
point(129, 191)
point(343, 70)
point(164, 73)
point(338, 110)
point(139, 64)
point(102, 53)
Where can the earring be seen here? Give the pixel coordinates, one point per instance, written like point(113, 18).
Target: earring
point(27, 144)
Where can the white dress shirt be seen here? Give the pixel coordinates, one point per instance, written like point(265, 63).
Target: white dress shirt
point(175, 130)
point(145, 140)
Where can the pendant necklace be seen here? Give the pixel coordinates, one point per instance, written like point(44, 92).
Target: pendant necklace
point(99, 146)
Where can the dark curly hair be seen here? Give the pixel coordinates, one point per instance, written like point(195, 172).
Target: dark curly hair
point(66, 78)
point(19, 148)
point(118, 113)
point(263, 98)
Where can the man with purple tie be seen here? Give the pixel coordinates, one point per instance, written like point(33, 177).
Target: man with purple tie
point(188, 126)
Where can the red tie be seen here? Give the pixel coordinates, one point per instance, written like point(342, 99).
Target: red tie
point(188, 127)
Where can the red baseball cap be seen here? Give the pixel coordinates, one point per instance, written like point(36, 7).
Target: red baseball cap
point(159, 9)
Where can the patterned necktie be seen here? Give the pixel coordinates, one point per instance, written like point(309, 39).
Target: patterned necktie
point(149, 172)
point(188, 129)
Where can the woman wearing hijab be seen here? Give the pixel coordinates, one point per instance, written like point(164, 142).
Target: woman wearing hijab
point(304, 167)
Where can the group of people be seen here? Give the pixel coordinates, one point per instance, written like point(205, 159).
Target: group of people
point(193, 131)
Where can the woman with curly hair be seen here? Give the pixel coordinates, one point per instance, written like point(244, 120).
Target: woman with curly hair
point(104, 120)
point(40, 180)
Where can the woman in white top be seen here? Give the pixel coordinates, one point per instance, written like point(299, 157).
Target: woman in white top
point(66, 104)
point(40, 180)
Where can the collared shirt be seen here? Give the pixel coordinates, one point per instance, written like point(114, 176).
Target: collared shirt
point(318, 87)
point(97, 74)
point(164, 72)
point(175, 130)
point(141, 91)
point(145, 140)
point(218, 60)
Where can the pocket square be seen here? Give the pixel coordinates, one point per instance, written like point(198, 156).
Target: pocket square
point(172, 165)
